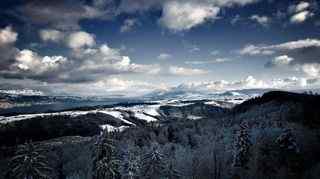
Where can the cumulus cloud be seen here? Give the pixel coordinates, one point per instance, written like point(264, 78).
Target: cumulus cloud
point(181, 71)
point(222, 85)
point(179, 16)
point(73, 39)
point(29, 61)
point(282, 60)
point(80, 39)
point(301, 17)
point(300, 12)
point(7, 36)
point(7, 50)
point(299, 7)
point(51, 35)
point(96, 63)
point(312, 69)
point(247, 83)
point(27, 64)
point(301, 54)
point(87, 61)
point(164, 56)
point(262, 20)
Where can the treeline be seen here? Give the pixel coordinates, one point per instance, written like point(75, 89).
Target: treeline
point(267, 140)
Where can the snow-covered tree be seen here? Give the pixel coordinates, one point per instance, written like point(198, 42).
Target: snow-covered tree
point(242, 147)
point(130, 166)
point(105, 162)
point(29, 163)
point(153, 163)
point(171, 171)
point(107, 168)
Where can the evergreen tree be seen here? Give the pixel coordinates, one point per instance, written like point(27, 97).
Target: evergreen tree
point(287, 142)
point(105, 163)
point(153, 164)
point(29, 163)
point(242, 147)
point(130, 167)
point(290, 153)
point(172, 172)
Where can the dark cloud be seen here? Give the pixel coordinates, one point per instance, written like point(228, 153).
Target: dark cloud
point(306, 55)
point(64, 14)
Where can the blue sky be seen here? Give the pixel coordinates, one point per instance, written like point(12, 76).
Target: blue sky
point(121, 47)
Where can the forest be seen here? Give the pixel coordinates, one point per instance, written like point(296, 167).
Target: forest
point(273, 136)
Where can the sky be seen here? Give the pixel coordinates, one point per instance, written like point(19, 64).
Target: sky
point(134, 47)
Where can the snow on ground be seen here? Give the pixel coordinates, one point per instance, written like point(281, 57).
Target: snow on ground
point(193, 117)
point(180, 104)
point(143, 112)
point(213, 103)
point(116, 114)
point(111, 128)
point(29, 116)
point(144, 117)
point(235, 101)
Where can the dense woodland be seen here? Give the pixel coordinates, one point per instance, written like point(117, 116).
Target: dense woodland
point(273, 136)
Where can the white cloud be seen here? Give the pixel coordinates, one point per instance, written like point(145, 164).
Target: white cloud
point(181, 71)
point(164, 56)
point(255, 50)
point(262, 20)
point(104, 60)
point(80, 39)
point(301, 17)
point(203, 62)
point(271, 49)
point(29, 61)
point(312, 69)
point(51, 35)
point(115, 84)
point(222, 85)
point(300, 12)
point(299, 7)
point(282, 60)
point(128, 25)
point(184, 15)
point(7, 50)
point(110, 86)
point(7, 36)
point(247, 83)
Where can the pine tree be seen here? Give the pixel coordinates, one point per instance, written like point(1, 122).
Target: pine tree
point(105, 163)
point(290, 153)
point(29, 163)
point(172, 172)
point(287, 141)
point(153, 164)
point(242, 147)
point(130, 167)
